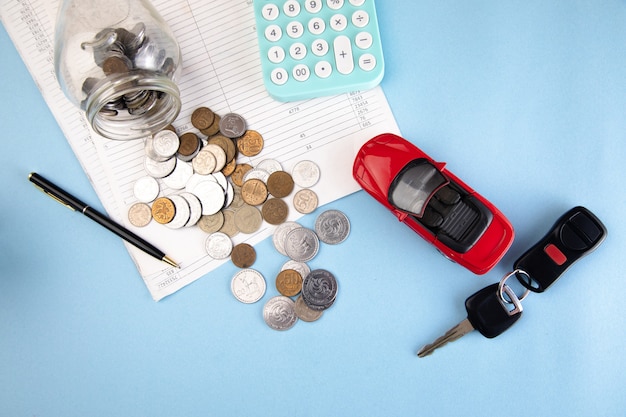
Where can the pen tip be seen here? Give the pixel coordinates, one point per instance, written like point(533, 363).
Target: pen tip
point(170, 261)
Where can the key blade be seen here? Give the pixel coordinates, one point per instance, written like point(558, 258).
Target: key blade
point(451, 335)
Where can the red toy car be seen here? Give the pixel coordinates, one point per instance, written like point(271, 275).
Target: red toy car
point(432, 201)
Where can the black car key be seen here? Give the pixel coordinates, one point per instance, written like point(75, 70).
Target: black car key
point(574, 235)
point(486, 312)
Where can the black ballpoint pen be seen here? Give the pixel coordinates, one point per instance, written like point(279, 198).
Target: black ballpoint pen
point(75, 204)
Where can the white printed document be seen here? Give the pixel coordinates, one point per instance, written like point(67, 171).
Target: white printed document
point(221, 70)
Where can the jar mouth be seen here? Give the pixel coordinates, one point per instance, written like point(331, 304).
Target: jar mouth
point(132, 105)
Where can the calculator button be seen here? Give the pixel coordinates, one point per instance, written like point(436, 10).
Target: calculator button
point(279, 76)
point(360, 19)
point(295, 30)
point(273, 33)
point(343, 54)
point(357, 2)
point(313, 6)
point(323, 69)
point(335, 4)
point(364, 40)
point(270, 12)
point(291, 8)
point(301, 72)
point(320, 47)
point(317, 26)
point(338, 22)
point(297, 51)
point(367, 62)
point(276, 54)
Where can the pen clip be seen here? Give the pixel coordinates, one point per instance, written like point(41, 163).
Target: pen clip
point(54, 197)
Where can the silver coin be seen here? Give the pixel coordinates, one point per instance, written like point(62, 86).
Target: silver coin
point(301, 267)
point(149, 150)
point(332, 227)
point(306, 313)
point(305, 201)
point(196, 179)
point(195, 208)
point(139, 214)
point(182, 213)
point(248, 219)
point(269, 165)
point(211, 223)
point(218, 245)
point(256, 174)
point(280, 234)
point(221, 179)
point(159, 169)
point(319, 289)
point(165, 143)
point(230, 195)
point(248, 286)
point(232, 125)
point(146, 189)
point(280, 313)
point(179, 177)
point(305, 174)
point(218, 153)
point(211, 195)
point(302, 244)
point(204, 163)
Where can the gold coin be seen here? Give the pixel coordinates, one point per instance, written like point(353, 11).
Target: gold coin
point(254, 192)
point(289, 282)
point(248, 219)
point(214, 128)
point(163, 210)
point(202, 118)
point(189, 143)
point(243, 255)
point(306, 313)
point(275, 211)
point(251, 143)
point(280, 184)
point(229, 226)
point(240, 171)
point(229, 168)
point(305, 201)
point(225, 143)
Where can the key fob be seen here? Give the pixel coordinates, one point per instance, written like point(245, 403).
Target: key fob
point(487, 314)
point(574, 235)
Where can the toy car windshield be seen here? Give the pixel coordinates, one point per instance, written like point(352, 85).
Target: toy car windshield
point(413, 187)
point(452, 215)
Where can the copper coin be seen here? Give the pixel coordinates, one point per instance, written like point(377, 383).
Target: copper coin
point(189, 143)
point(280, 184)
point(163, 210)
point(243, 255)
point(116, 65)
point(240, 171)
point(289, 282)
point(225, 143)
point(202, 118)
point(254, 192)
point(251, 143)
point(214, 128)
point(275, 211)
point(229, 168)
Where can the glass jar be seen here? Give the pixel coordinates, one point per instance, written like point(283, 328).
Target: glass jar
point(118, 61)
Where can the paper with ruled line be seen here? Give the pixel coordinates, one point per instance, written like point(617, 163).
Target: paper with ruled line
point(221, 70)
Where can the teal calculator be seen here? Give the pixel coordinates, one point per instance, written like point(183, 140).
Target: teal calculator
point(315, 48)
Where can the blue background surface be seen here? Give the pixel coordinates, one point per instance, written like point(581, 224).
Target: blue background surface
point(525, 101)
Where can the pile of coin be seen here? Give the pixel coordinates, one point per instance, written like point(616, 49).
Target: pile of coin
point(209, 189)
point(316, 290)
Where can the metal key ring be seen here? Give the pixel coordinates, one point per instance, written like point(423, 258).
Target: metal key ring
point(503, 282)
